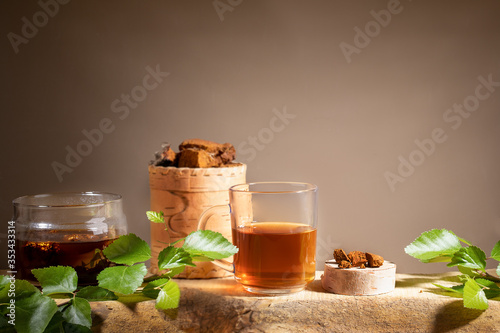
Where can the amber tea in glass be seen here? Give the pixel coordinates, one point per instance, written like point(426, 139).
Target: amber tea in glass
point(274, 228)
point(279, 254)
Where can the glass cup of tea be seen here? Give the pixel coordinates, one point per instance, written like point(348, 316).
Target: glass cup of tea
point(67, 229)
point(274, 227)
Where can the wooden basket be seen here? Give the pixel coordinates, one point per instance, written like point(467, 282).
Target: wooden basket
point(183, 194)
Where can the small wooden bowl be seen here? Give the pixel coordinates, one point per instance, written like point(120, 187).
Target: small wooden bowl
point(359, 281)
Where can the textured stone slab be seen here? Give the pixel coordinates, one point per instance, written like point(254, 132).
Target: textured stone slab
point(221, 305)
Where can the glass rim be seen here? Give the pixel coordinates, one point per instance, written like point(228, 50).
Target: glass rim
point(23, 200)
point(309, 187)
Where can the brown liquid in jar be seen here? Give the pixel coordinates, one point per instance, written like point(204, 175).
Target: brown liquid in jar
point(77, 249)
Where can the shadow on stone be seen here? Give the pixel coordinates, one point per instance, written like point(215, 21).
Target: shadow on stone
point(171, 313)
point(316, 286)
point(453, 316)
point(99, 314)
point(423, 281)
point(442, 292)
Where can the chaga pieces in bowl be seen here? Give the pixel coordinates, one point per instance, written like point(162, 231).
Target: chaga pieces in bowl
point(196, 153)
point(357, 259)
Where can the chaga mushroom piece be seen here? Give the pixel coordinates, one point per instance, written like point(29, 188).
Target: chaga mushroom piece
point(227, 153)
point(165, 157)
point(374, 260)
point(357, 258)
point(345, 264)
point(191, 158)
point(208, 146)
point(221, 154)
point(339, 255)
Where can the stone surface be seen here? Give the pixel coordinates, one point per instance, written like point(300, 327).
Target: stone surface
point(221, 305)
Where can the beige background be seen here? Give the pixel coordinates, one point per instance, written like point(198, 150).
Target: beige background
point(348, 122)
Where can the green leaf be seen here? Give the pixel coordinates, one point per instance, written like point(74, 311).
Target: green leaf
point(492, 293)
point(5, 327)
point(78, 312)
point(436, 245)
point(128, 249)
point(25, 288)
point(169, 296)
point(474, 297)
point(122, 279)
point(456, 289)
point(174, 271)
point(443, 258)
point(468, 271)
point(74, 328)
point(4, 292)
point(487, 283)
point(94, 293)
point(34, 313)
point(492, 290)
point(172, 257)
point(495, 253)
point(22, 289)
point(152, 289)
point(470, 257)
point(498, 270)
point(4, 280)
point(56, 324)
point(155, 217)
point(210, 244)
point(464, 241)
point(56, 279)
point(169, 274)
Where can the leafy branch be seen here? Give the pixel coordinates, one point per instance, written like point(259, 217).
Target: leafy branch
point(33, 311)
point(441, 245)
